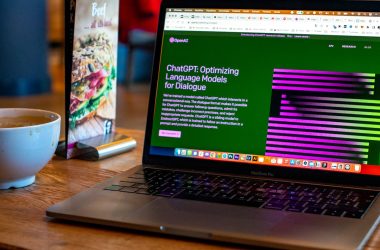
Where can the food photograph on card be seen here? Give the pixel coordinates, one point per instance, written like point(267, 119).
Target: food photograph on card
point(92, 109)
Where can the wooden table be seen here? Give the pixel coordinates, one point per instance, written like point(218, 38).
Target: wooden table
point(23, 223)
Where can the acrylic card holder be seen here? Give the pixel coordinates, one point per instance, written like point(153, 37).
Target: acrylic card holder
point(91, 39)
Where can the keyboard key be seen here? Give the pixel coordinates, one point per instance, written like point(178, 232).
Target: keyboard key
point(206, 196)
point(274, 206)
point(187, 194)
point(362, 205)
point(334, 212)
point(224, 197)
point(295, 208)
point(315, 205)
point(258, 199)
point(294, 193)
point(346, 203)
point(152, 190)
point(278, 201)
point(356, 215)
point(309, 199)
point(292, 198)
point(313, 210)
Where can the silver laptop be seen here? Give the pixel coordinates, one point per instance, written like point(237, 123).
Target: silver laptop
point(263, 128)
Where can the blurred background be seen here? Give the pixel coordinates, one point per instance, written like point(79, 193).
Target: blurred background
point(32, 62)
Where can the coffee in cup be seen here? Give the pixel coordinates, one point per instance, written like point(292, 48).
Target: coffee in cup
point(23, 121)
point(28, 139)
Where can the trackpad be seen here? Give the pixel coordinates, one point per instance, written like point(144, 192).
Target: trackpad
point(204, 216)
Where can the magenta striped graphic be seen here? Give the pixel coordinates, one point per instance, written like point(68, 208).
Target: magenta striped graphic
point(320, 72)
point(334, 125)
point(323, 81)
point(323, 78)
point(317, 89)
point(328, 84)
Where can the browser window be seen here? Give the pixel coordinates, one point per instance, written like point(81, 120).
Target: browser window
point(285, 88)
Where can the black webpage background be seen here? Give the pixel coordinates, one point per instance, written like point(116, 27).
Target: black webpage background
point(255, 57)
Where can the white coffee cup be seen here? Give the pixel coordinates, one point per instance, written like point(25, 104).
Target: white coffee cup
point(28, 140)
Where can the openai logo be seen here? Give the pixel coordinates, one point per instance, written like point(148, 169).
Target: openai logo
point(176, 40)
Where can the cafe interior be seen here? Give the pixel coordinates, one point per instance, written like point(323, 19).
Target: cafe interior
point(34, 75)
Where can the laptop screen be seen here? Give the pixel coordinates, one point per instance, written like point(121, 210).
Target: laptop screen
point(285, 88)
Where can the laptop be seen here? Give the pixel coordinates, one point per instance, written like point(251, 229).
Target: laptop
point(262, 129)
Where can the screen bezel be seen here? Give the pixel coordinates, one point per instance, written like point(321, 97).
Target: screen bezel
point(241, 168)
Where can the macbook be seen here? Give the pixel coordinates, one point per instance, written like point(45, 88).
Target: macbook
point(263, 128)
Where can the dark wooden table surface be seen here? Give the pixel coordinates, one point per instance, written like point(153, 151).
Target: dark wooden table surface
point(23, 223)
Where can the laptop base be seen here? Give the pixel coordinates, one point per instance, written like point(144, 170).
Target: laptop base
point(213, 221)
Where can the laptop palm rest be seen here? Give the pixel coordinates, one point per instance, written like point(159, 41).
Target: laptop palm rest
point(241, 224)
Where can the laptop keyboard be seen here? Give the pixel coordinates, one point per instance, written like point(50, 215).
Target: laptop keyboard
point(266, 194)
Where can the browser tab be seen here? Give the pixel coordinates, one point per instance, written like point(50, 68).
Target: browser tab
point(308, 22)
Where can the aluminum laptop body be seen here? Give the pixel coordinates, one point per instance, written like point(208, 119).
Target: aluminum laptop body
point(278, 91)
